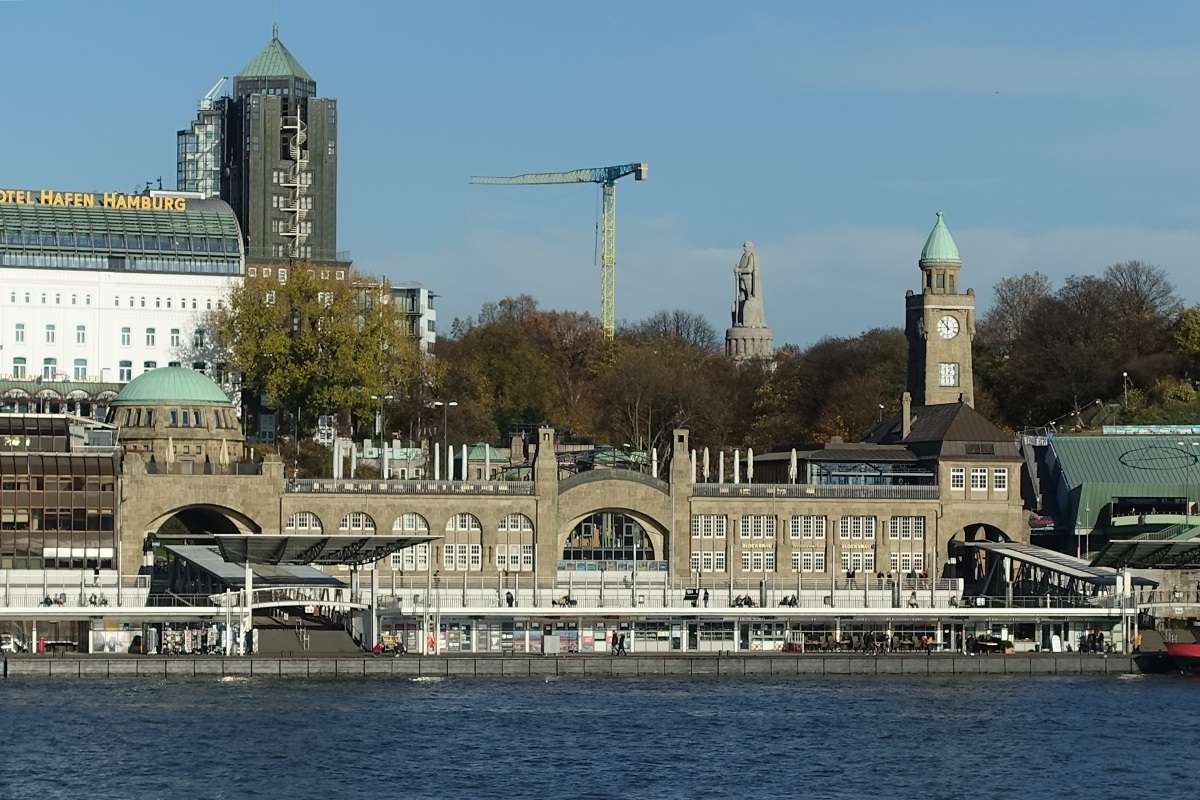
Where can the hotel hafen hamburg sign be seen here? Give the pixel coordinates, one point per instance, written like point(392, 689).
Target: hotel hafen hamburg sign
point(136, 202)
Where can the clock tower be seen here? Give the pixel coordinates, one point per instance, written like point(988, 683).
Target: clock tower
point(940, 325)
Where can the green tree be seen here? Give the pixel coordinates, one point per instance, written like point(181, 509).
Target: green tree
point(313, 343)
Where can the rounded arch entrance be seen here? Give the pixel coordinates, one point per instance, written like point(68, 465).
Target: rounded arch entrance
point(200, 522)
point(981, 532)
point(613, 535)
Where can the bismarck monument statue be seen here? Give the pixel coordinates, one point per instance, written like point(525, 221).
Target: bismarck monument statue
point(749, 337)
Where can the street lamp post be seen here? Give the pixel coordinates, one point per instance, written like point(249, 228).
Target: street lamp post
point(379, 428)
point(445, 406)
point(1125, 384)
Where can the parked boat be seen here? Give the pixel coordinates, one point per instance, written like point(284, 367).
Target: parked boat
point(1186, 656)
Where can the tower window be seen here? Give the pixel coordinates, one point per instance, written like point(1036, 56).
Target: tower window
point(941, 280)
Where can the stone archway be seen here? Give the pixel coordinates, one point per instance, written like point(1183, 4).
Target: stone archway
point(613, 534)
point(201, 521)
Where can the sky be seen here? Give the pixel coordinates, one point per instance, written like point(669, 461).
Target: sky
point(1057, 137)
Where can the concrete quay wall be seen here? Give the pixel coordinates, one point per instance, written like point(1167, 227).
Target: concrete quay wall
point(41, 667)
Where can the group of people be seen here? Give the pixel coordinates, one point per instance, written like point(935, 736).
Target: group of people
point(1092, 642)
point(61, 600)
point(745, 601)
point(790, 602)
point(618, 644)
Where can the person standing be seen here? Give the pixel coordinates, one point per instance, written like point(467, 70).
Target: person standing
point(613, 643)
point(958, 644)
point(706, 598)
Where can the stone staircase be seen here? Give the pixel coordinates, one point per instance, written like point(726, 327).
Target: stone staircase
point(279, 639)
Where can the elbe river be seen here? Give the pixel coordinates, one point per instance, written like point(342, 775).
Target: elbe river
point(903, 737)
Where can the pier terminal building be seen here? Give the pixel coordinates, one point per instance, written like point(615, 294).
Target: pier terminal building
point(917, 531)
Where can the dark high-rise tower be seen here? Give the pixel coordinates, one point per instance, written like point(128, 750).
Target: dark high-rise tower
point(277, 150)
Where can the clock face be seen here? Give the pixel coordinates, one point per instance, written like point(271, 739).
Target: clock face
point(948, 374)
point(947, 327)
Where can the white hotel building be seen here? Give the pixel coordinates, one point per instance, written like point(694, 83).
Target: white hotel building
point(91, 294)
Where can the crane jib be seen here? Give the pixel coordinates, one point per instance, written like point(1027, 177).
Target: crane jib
point(606, 177)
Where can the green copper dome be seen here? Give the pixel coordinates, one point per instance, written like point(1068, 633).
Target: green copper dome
point(940, 247)
point(173, 386)
point(274, 61)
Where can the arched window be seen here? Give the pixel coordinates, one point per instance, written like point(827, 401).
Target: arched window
point(514, 543)
point(608, 536)
point(462, 547)
point(415, 557)
point(357, 521)
point(303, 521)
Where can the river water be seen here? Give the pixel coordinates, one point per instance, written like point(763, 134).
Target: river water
point(979, 737)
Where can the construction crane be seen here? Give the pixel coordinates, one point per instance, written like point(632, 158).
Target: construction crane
point(607, 178)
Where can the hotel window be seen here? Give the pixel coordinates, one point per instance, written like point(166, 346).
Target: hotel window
point(978, 479)
point(758, 526)
point(58, 299)
point(856, 528)
point(158, 302)
point(73, 299)
point(49, 367)
point(958, 478)
point(907, 528)
point(125, 372)
point(50, 335)
point(80, 334)
point(80, 369)
point(252, 272)
point(708, 526)
point(126, 337)
point(1000, 479)
point(198, 339)
point(149, 365)
point(43, 298)
point(142, 302)
point(87, 300)
point(808, 527)
point(174, 337)
point(150, 337)
point(19, 333)
point(18, 370)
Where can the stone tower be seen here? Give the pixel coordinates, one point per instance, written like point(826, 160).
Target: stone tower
point(749, 337)
point(940, 325)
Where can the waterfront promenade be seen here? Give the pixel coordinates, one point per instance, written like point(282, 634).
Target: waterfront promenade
point(784, 665)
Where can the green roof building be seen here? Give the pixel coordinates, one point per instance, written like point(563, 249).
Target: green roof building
point(270, 151)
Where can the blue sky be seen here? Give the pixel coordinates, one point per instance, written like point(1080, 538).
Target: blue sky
point(1055, 136)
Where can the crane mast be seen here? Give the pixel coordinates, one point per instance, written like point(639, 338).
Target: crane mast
point(607, 178)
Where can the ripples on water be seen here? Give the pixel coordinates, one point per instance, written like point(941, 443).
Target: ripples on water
point(992, 737)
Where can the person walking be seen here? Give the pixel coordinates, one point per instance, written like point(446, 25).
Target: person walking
point(621, 646)
point(613, 643)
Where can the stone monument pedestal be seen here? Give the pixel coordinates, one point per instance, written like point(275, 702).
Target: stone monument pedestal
point(743, 342)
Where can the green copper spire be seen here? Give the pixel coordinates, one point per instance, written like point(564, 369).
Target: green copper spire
point(274, 61)
point(940, 245)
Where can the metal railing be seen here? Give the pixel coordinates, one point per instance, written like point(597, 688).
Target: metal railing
point(815, 490)
point(330, 486)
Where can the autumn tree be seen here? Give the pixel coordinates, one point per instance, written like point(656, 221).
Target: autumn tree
point(308, 342)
